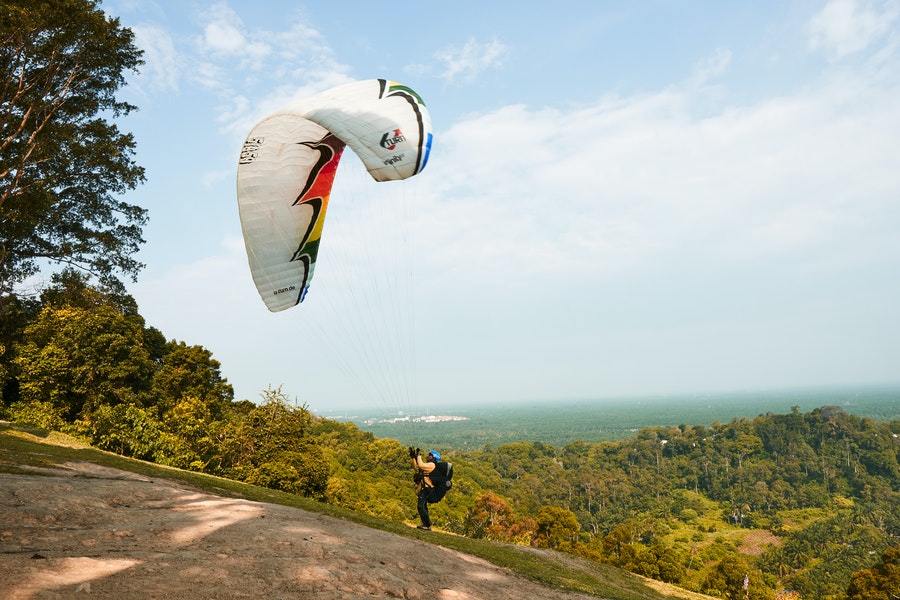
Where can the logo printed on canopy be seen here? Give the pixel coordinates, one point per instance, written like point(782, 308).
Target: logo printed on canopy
point(390, 140)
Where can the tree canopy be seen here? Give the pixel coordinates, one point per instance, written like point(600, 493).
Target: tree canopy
point(881, 582)
point(63, 161)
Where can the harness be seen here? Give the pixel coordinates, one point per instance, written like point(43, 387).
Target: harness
point(441, 480)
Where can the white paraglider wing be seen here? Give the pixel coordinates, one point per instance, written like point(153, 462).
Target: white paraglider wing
point(287, 167)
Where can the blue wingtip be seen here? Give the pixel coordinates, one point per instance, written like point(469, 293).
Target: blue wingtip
point(427, 151)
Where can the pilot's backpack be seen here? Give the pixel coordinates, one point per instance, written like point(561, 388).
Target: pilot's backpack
point(442, 478)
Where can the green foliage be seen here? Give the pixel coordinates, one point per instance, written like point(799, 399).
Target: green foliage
point(15, 313)
point(190, 372)
point(79, 359)
point(726, 580)
point(62, 164)
point(126, 429)
point(301, 473)
point(819, 559)
point(37, 414)
point(632, 498)
point(881, 582)
point(671, 563)
point(270, 446)
point(556, 527)
point(490, 518)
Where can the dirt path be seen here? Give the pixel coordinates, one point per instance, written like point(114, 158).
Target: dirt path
point(84, 531)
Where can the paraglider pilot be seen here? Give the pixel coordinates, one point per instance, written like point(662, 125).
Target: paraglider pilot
point(424, 486)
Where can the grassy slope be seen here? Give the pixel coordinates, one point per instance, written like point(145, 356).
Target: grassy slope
point(22, 447)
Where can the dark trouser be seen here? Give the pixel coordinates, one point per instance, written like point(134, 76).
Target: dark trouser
point(423, 507)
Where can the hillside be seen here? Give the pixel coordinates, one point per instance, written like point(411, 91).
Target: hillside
point(75, 520)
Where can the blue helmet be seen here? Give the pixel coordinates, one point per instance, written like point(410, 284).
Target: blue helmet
point(435, 454)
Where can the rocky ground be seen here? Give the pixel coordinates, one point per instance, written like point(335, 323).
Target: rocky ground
point(88, 531)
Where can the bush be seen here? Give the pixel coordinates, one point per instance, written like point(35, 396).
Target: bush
point(42, 415)
point(127, 430)
point(688, 515)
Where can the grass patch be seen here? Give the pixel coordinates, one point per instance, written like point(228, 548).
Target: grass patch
point(27, 451)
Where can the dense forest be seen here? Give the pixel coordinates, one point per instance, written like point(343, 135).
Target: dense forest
point(798, 505)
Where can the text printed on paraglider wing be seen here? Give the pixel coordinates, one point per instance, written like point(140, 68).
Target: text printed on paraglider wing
point(390, 140)
point(250, 150)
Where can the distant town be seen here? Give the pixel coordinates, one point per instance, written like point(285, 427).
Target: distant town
point(422, 419)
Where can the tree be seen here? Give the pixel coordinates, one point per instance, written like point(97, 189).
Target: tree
point(670, 563)
point(556, 526)
point(618, 544)
point(726, 578)
point(62, 164)
point(79, 359)
point(190, 372)
point(745, 445)
point(74, 288)
point(15, 313)
point(128, 430)
point(272, 447)
point(192, 426)
point(881, 582)
point(490, 517)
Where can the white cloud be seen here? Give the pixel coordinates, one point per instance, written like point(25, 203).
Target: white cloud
point(417, 69)
point(471, 59)
point(639, 182)
point(845, 27)
point(162, 64)
point(712, 66)
point(224, 35)
point(232, 60)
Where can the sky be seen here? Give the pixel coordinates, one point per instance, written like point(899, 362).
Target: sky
point(641, 198)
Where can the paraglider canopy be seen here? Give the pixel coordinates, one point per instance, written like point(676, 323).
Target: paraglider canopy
point(287, 167)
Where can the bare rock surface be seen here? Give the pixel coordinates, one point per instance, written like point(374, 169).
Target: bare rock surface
point(85, 531)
